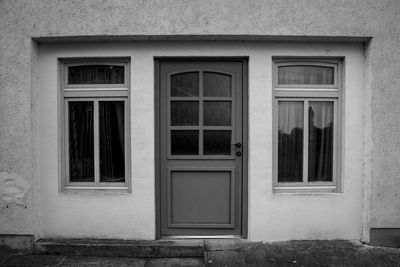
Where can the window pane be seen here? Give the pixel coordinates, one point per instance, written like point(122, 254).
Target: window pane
point(217, 113)
point(81, 141)
point(184, 113)
point(215, 84)
point(320, 141)
point(185, 142)
point(290, 141)
point(185, 84)
point(112, 141)
point(217, 142)
point(96, 74)
point(305, 75)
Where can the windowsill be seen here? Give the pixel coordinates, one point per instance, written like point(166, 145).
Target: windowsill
point(305, 190)
point(104, 190)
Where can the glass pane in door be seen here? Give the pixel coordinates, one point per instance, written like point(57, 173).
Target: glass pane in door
point(216, 84)
point(184, 142)
point(185, 84)
point(184, 113)
point(217, 142)
point(217, 113)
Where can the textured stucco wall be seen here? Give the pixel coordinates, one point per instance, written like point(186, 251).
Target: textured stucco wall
point(22, 20)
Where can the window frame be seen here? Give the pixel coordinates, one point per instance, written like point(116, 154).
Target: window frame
point(309, 93)
point(94, 93)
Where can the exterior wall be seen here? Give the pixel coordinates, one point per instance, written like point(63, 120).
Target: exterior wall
point(21, 20)
point(271, 217)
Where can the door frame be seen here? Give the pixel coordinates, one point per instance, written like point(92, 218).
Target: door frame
point(157, 99)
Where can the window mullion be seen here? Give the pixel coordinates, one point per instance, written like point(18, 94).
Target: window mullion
point(305, 142)
point(96, 142)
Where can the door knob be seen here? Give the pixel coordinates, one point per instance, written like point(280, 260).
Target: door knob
point(237, 145)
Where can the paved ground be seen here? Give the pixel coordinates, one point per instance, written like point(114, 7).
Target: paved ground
point(235, 253)
point(302, 253)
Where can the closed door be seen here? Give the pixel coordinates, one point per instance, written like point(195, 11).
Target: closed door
point(200, 146)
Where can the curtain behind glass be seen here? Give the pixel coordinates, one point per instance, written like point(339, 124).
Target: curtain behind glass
point(81, 141)
point(96, 74)
point(290, 141)
point(112, 143)
point(305, 75)
point(320, 146)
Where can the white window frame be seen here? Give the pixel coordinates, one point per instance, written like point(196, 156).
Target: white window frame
point(308, 93)
point(95, 93)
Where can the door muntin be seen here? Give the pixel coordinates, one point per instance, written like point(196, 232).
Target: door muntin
point(200, 114)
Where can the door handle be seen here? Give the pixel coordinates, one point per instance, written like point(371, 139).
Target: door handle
point(237, 145)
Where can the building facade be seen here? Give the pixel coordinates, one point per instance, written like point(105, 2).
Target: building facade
point(264, 120)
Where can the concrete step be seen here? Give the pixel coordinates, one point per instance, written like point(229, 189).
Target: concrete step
point(121, 248)
point(73, 261)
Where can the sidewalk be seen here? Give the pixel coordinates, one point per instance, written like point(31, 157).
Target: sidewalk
point(302, 253)
point(235, 253)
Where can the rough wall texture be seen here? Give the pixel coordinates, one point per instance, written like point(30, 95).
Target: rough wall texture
point(21, 20)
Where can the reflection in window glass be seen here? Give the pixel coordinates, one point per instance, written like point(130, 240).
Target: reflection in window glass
point(305, 75)
point(184, 142)
point(217, 113)
point(96, 74)
point(216, 84)
point(290, 141)
point(184, 113)
point(112, 141)
point(217, 142)
point(185, 84)
point(320, 141)
point(81, 141)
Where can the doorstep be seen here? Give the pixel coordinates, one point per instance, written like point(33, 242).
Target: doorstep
point(182, 248)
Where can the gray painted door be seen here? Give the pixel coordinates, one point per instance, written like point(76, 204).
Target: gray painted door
point(200, 147)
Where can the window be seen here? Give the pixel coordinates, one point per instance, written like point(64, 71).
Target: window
point(95, 130)
point(307, 105)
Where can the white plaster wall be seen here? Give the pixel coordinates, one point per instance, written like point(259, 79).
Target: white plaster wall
point(305, 216)
point(132, 216)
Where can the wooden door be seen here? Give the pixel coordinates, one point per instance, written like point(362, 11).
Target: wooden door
point(200, 146)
